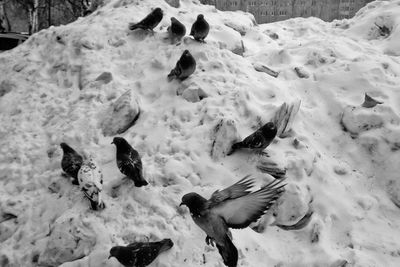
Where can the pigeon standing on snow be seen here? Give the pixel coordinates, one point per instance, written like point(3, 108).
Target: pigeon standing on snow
point(71, 162)
point(149, 22)
point(258, 140)
point(90, 180)
point(185, 66)
point(200, 29)
point(140, 254)
point(129, 162)
point(176, 31)
point(233, 207)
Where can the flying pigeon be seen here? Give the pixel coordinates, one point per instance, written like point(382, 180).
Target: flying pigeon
point(90, 180)
point(176, 31)
point(185, 66)
point(140, 254)
point(149, 22)
point(200, 29)
point(71, 162)
point(234, 207)
point(258, 140)
point(129, 162)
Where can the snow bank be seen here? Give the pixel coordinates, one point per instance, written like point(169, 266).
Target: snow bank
point(339, 159)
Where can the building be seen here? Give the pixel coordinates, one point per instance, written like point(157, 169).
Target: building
point(266, 11)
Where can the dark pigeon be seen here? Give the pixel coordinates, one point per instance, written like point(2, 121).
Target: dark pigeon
point(200, 29)
point(258, 140)
point(149, 22)
point(71, 162)
point(234, 207)
point(185, 66)
point(140, 254)
point(129, 162)
point(176, 31)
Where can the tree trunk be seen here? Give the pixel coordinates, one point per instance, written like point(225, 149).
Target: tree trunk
point(49, 13)
point(4, 21)
point(38, 15)
point(30, 14)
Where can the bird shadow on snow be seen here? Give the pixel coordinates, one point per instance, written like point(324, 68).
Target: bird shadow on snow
point(115, 186)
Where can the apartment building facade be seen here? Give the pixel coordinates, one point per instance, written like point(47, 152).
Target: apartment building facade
point(266, 11)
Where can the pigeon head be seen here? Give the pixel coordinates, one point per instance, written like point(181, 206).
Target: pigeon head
point(194, 202)
point(269, 129)
point(115, 252)
point(186, 53)
point(118, 141)
point(173, 19)
point(200, 17)
point(122, 145)
point(65, 147)
point(158, 11)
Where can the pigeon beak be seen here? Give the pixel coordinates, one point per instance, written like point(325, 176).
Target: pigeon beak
point(109, 257)
point(112, 142)
point(180, 205)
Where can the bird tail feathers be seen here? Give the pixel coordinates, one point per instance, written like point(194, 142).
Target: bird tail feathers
point(166, 244)
point(172, 75)
point(133, 26)
point(228, 252)
point(234, 147)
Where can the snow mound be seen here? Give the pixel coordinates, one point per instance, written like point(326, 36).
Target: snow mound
point(369, 23)
point(85, 82)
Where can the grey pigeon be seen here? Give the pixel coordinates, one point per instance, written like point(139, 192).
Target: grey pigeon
point(176, 31)
point(200, 29)
point(71, 162)
point(129, 162)
point(185, 66)
point(258, 140)
point(233, 207)
point(149, 22)
point(140, 254)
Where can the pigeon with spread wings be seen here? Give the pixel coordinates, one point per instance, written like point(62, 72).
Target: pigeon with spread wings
point(234, 207)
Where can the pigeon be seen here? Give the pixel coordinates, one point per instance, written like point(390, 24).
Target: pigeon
point(185, 66)
point(200, 29)
point(149, 22)
point(71, 162)
point(90, 180)
point(234, 207)
point(129, 162)
point(383, 30)
point(258, 140)
point(140, 254)
point(176, 31)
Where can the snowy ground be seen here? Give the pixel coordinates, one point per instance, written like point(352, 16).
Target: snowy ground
point(341, 159)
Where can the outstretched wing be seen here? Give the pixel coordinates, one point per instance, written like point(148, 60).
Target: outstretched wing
point(239, 189)
point(240, 212)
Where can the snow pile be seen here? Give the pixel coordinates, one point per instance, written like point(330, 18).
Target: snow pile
point(70, 84)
